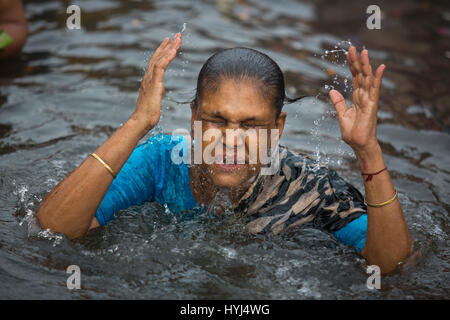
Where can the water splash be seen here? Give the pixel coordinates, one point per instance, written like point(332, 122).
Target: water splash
point(337, 58)
point(332, 63)
point(27, 202)
point(49, 235)
point(183, 28)
point(221, 204)
point(21, 191)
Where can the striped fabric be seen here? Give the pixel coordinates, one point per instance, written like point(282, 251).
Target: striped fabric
point(301, 193)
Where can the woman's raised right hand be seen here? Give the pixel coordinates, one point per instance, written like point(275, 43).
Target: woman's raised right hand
point(148, 106)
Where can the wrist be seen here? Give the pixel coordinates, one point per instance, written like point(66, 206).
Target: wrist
point(370, 158)
point(370, 150)
point(139, 124)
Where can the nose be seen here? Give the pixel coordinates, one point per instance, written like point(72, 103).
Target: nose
point(234, 137)
point(234, 144)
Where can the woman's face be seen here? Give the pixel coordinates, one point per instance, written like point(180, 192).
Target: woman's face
point(236, 125)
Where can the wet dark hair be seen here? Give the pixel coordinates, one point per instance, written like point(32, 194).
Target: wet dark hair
point(244, 64)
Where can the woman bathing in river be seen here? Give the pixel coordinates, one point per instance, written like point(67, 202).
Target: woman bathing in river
point(240, 88)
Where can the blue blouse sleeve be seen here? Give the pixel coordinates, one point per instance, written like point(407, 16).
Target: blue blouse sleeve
point(344, 212)
point(149, 175)
point(354, 233)
point(134, 185)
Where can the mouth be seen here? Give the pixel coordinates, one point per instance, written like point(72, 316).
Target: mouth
point(229, 167)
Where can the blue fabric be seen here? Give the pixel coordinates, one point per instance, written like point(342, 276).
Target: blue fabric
point(354, 233)
point(150, 175)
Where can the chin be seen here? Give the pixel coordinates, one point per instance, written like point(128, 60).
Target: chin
point(229, 179)
point(225, 181)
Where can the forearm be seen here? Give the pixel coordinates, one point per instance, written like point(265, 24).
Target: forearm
point(70, 207)
point(388, 240)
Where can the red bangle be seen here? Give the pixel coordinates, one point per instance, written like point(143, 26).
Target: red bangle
point(370, 175)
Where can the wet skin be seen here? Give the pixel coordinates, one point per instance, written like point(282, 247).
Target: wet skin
point(70, 207)
point(235, 105)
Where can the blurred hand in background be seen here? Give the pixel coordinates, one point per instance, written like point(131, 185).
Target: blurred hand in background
point(13, 27)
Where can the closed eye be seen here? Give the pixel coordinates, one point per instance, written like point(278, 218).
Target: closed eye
point(251, 125)
point(215, 121)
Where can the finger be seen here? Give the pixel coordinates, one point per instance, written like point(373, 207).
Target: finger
point(376, 83)
point(354, 59)
point(355, 65)
point(165, 48)
point(379, 76)
point(366, 68)
point(156, 56)
point(170, 51)
point(175, 43)
point(162, 46)
point(355, 83)
point(360, 79)
point(156, 87)
point(357, 99)
point(349, 61)
point(339, 102)
point(162, 64)
point(367, 83)
point(166, 45)
point(158, 51)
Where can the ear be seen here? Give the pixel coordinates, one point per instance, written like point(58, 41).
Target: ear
point(193, 113)
point(280, 122)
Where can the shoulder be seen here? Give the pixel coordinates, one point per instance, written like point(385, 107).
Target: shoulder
point(162, 141)
point(301, 191)
point(164, 147)
point(164, 156)
point(307, 173)
point(297, 175)
point(297, 166)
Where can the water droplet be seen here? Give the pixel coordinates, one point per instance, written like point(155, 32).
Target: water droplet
point(183, 27)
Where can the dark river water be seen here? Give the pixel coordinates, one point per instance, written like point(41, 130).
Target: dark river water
point(71, 89)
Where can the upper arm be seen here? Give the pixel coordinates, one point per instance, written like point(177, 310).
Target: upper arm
point(134, 185)
point(149, 174)
point(94, 224)
point(354, 233)
point(343, 211)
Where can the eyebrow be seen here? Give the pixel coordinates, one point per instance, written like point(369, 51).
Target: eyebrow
point(217, 114)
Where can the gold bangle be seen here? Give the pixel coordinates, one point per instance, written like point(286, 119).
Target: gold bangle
point(377, 205)
point(104, 164)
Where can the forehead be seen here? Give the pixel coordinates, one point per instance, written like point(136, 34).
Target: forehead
point(237, 99)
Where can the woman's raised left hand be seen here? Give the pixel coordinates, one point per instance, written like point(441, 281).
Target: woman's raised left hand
point(359, 122)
